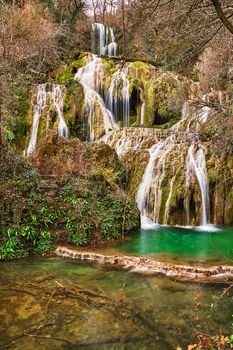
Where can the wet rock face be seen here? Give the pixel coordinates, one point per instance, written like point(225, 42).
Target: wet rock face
point(56, 156)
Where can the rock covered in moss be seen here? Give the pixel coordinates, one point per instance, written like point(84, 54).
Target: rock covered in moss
point(77, 198)
point(57, 156)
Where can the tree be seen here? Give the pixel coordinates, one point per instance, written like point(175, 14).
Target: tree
point(28, 48)
point(173, 32)
point(222, 16)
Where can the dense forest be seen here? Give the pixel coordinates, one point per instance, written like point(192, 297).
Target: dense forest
point(116, 149)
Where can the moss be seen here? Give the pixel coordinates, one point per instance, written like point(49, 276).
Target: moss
point(73, 109)
point(140, 65)
point(168, 125)
point(150, 99)
point(108, 64)
point(136, 172)
point(178, 189)
point(16, 122)
point(211, 171)
point(66, 74)
point(113, 70)
point(135, 83)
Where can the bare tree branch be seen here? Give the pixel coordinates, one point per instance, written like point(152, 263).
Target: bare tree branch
point(222, 16)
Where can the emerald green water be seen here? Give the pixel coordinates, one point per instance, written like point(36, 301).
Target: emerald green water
point(181, 244)
point(59, 303)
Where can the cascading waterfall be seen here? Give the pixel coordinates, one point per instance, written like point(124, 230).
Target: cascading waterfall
point(167, 206)
point(150, 190)
point(108, 110)
point(90, 77)
point(47, 94)
point(142, 113)
point(38, 109)
point(103, 40)
point(128, 139)
point(126, 98)
point(112, 47)
point(118, 97)
point(143, 193)
point(57, 95)
point(196, 165)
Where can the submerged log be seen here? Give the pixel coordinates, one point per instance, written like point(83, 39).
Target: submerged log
point(150, 266)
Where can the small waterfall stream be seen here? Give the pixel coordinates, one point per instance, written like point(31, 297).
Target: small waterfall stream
point(196, 165)
point(149, 193)
point(47, 94)
point(103, 40)
point(142, 115)
point(143, 193)
point(90, 77)
point(118, 97)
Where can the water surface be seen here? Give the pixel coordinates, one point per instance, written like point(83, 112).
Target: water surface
point(181, 244)
point(59, 303)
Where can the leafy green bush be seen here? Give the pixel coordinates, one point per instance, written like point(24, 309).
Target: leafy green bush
point(78, 233)
point(11, 246)
point(68, 209)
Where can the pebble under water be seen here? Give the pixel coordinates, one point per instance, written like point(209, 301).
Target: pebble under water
point(59, 303)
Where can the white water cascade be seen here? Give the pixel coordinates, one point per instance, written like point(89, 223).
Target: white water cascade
point(47, 94)
point(142, 113)
point(196, 165)
point(150, 190)
point(118, 97)
point(103, 40)
point(90, 77)
point(143, 193)
point(167, 206)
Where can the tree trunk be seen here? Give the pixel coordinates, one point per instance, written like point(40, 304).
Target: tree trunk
point(222, 16)
point(123, 23)
point(1, 138)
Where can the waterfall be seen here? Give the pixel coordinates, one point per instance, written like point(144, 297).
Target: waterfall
point(142, 198)
point(118, 97)
point(129, 139)
point(150, 190)
point(112, 47)
point(196, 165)
point(177, 147)
point(142, 113)
point(47, 94)
point(126, 98)
point(167, 206)
point(90, 77)
point(57, 95)
point(103, 40)
point(204, 114)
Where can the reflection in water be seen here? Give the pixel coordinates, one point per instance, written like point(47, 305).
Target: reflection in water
point(58, 303)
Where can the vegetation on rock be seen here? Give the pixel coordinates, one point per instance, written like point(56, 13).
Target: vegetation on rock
point(77, 207)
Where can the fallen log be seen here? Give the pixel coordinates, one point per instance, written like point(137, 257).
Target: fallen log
point(150, 266)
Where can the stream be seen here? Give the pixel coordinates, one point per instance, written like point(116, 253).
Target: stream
point(59, 303)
